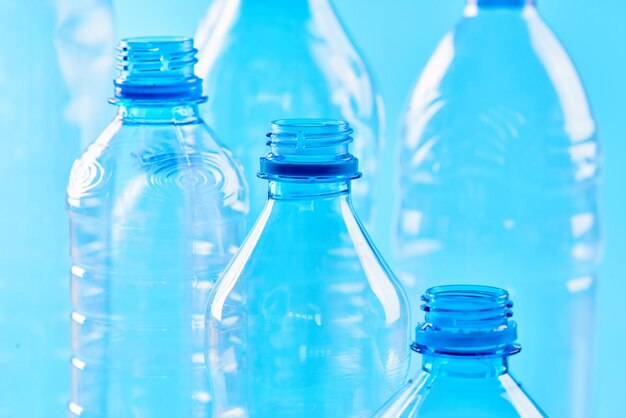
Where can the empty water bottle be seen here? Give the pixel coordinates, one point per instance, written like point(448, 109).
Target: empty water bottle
point(465, 341)
point(156, 210)
point(40, 137)
point(307, 320)
point(285, 58)
point(499, 169)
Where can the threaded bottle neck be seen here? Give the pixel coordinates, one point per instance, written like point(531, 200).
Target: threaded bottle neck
point(156, 69)
point(314, 150)
point(466, 321)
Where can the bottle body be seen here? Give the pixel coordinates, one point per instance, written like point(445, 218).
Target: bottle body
point(499, 186)
point(156, 211)
point(40, 140)
point(284, 59)
point(307, 319)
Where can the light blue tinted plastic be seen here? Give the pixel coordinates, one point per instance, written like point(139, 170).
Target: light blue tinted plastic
point(499, 171)
point(465, 339)
point(157, 210)
point(307, 320)
point(41, 120)
point(263, 60)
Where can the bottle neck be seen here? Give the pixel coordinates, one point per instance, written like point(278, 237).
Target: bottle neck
point(464, 367)
point(304, 190)
point(146, 113)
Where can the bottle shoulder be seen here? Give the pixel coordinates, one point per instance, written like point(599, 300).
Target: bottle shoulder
point(312, 262)
point(434, 396)
point(163, 161)
point(518, 68)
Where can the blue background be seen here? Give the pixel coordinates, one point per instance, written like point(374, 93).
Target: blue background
point(396, 37)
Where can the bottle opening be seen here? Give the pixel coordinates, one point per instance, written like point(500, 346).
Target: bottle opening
point(466, 320)
point(310, 149)
point(157, 68)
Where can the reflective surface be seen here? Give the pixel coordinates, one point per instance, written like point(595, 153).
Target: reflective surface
point(499, 177)
point(283, 59)
point(41, 134)
point(307, 321)
point(156, 210)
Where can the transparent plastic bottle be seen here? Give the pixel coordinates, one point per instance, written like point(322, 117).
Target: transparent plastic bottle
point(157, 209)
point(307, 320)
point(499, 167)
point(40, 138)
point(290, 59)
point(465, 341)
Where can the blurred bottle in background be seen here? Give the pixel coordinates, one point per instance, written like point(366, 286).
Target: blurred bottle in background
point(466, 340)
point(499, 172)
point(84, 44)
point(157, 209)
point(41, 118)
point(285, 58)
point(307, 321)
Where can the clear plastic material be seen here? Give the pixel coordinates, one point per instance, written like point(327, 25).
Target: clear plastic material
point(499, 169)
point(465, 341)
point(40, 138)
point(157, 209)
point(288, 59)
point(307, 320)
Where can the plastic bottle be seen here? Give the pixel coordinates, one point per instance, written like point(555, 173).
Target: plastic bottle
point(289, 59)
point(40, 138)
point(499, 170)
point(465, 341)
point(307, 320)
point(157, 210)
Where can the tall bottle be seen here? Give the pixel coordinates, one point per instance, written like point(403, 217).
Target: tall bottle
point(287, 58)
point(40, 138)
point(465, 340)
point(499, 173)
point(307, 320)
point(157, 209)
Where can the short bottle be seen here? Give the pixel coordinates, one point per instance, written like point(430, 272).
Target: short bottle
point(307, 321)
point(157, 209)
point(465, 341)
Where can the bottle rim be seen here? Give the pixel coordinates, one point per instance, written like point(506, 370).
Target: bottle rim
point(311, 149)
point(159, 68)
point(466, 320)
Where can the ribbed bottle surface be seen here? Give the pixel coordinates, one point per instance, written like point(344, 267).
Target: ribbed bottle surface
point(157, 210)
point(50, 78)
point(466, 320)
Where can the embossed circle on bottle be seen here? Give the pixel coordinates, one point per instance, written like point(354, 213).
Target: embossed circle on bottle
point(86, 175)
point(199, 172)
